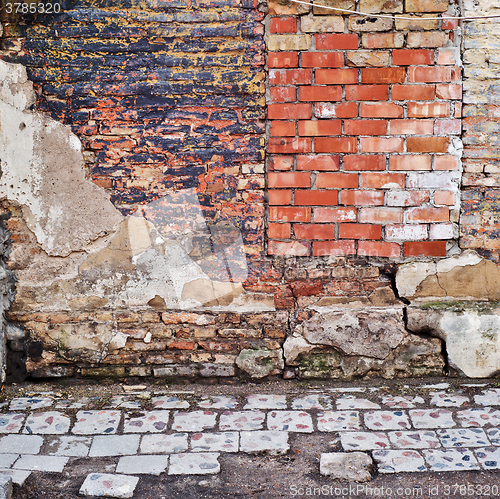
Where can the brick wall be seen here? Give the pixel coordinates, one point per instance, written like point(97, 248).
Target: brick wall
point(364, 120)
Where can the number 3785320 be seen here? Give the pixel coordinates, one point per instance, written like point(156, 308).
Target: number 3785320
point(32, 8)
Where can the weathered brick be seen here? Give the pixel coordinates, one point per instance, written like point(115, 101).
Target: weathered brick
point(368, 58)
point(362, 23)
point(283, 59)
point(335, 214)
point(282, 163)
point(427, 144)
point(382, 40)
point(362, 198)
point(294, 248)
point(319, 163)
point(279, 197)
point(331, 110)
point(337, 42)
point(314, 231)
point(289, 42)
point(379, 248)
point(426, 5)
point(451, 91)
point(413, 92)
point(426, 39)
point(322, 127)
point(446, 162)
point(282, 129)
point(446, 198)
point(425, 248)
point(320, 93)
point(337, 76)
point(419, 23)
point(381, 110)
point(407, 198)
point(382, 180)
point(322, 59)
point(381, 215)
point(289, 214)
point(410, 162)
point(365, 127)
point(315, 198)
point(428, 214)
point(428, 110)
point(406, 232)
point(415, 57)
point(289, 145)
point(324, 248)
point(289, 179)
point(290, 76)
point(380, 6)
point(363, 163)
point(321, 24)
point(283, 25)
point(429, 75)
point(411, 127)
point(367, 92)
point(381, 144)
point(334, 4)
point(289, 111)
point(335, 144)
point(283, 94)
point(279, 231)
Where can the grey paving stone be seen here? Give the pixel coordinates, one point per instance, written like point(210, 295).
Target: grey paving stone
point(432, 418)
point(114, 445)
point(23, 403)
point(148, 422)
point(48, 423)
point(338, 421)
point(241, 420)
point(194, 464)
point(7, 460)
point(96, 422)
point(144, 464)
point(168, 402)
point(11, 422)
point(215, 442)
point(102, 484)
point(164, 444)
point(20, 444)
point(451, 460)
point(270, 442)
point(399, 461)
point(416, 439)
point(261, 401)
point(194, 421)
point(6, 487)
point(312, 401)
point(39, 463)
point(364, 440)
point(296, 421)
point(386, 420)
point(463, 437)
point(489, 457)
point(69, 446)
point(351, 466)
point(18, 476)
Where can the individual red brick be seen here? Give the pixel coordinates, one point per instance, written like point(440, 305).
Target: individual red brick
point(289, 111)
point(283, 25)
point(447, 162)
point(362, 198)
point(413, 57)
point(294, 248)
point(425, 248)
point(331, 110)
point(289, 214)
point(279, 231)
point(319, 93)
point(282, 129)
point(448, 127)
point(429, 75)
point(336, 76)
point(381, 215)
point(283, 94)
point(289, 145)
point(428, 214)
point(281, 163)
point(382, 180)
point(382, 75)
point(447, 56)
point(446, 198)
point(451, 91)
point(457, 112)
point(289, 179)
point(335, 214)
point(322, 127)
point(322, 59)
point(427, 144)
point(318, 163)
point(449, 23)
point(181, 345)
point(367, 92)
point(411, 127)
point(314, 231)
point(280, 198)
point(364, 163)
point(336, 42)
point(324, 248)
point(379, 248)
point(410, 162)
point(381, 144)
point(335, 144)
point(413, 92)
point(407, 198)
point(428, 109)
point(283, 60)
point(365, 127)
point(337, 180)
point(360, 231)
point(315, 198)
point(381, 110)
point(290, 76)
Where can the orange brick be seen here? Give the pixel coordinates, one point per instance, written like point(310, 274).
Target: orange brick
point(413, 92)
point(367, 92)
point(318, 163)
point(336, 42)
point(335, 214)
point(289, 111)
point(382, 75)
point(336, 76)
point(425, 248)
point(451, 91)
point(295, 248)
point(365, 127)
point(322, 59)
point(282, 60)
point(446, 198)
point(410, 162)
point(381, 215)
point(381, 110)
point(314, 231)
point(428, 214)
point(315, 198)
point(411, 127)
point(290, 76)
point(324, 248)
point(289, 145)
point(281, 163)
point(289, 214)
point(413, 57)
point(447, 162)
point(319, 93)
point(379, 248)
point(381, 144)
point(322, 127)
point(289, 179)
point(331, 110)
point(428, 109)
point(283, 94)
point(337, 180)
point(334, 144)
point(362, 198)
point(360, 231)
point(427, 144)
point(429, 75)
point(282, 128)
point(283, 25)
point(382, 180)
point(280, 198)
point(363, 163)
point(279, 231)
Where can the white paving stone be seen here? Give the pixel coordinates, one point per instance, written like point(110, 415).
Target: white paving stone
point(241, 420)
point(417, 439)
point(69, 446)
point(215, 442)
point(169, 402)
point(450, 460)
point(20, 444)
point(114, 445)
point(463, 437)
point(489, 457)
point(386, 420)
point(96, 422)
point(296, 421)
point(124, 402)
point(18, 476)
point(147, 465)
point(406, 402)
point(103, 484)
point(32, 403)
point(312, 401)
point(218, 402)
point(148, 422)
point(488, 397)
point(352, 402)
point(399, 461)
point(265, 402)
point(477, 417)
point(196, 463)
point(164, 444)
point(338, 421)
point(38, 463)
point(443, 399)
point(193, 421)
point(11, 422)
point(48, 423)
point(7, 460)
point(364, 440)
point(494, 435)
point(271, 442)
point(431, 418)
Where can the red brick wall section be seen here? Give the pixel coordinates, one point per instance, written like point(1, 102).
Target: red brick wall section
point(364, 118)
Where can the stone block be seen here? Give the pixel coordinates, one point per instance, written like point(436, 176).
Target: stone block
point(102, 484)
point(260, 362)
point(321, 24)
point(351, 466)
point(289, 42)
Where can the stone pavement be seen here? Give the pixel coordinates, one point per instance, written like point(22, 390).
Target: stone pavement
point(156, 430)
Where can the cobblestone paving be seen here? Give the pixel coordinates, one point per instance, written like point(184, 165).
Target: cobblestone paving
point(183, 434)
